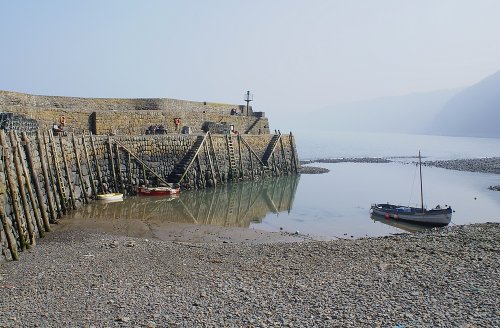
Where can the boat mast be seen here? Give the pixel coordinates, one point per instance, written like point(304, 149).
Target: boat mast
point(421, 189)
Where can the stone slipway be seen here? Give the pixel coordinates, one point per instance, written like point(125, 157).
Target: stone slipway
point(444, 278)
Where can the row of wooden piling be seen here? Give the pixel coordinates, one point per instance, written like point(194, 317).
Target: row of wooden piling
point(42, 185)
point(39, 194)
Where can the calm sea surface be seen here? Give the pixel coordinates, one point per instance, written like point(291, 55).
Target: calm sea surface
point(335, 204)
point(349, 144)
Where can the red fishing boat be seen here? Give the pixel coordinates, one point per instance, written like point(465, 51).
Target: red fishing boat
point(158, 191)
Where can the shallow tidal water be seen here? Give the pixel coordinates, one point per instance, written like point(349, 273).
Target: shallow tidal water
point(325, 206)
point(336, 204)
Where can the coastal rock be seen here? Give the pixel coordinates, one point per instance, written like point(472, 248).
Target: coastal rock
point(484, 165)
point(496, 188)
point(313, 170)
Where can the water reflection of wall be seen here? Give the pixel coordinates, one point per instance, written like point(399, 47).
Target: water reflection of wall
point(231, 205)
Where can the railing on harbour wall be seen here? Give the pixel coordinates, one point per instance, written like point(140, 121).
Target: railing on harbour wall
point(44, 177)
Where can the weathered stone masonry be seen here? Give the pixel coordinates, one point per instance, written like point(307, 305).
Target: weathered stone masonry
point(130, 116)
point(43, 176)
point(119, 163)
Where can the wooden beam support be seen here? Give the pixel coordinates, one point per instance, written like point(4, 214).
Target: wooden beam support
point(31, 196)
point(89, 166)
point(68, 174)
point(36, 183)
point(79, 167)
point(20, 182)
point(46, 180)
point(13, 192)
point(11, 242)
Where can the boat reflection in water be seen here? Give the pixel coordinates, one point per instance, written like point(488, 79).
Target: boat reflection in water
point(231, 205)
point(400, 224)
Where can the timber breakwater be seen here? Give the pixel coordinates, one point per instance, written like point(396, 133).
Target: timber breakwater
point(50, 166)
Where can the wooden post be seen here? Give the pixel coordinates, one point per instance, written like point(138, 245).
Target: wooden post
point(294, 156)
point(283, 157)
point(129, 172)
point(216, 160)
point(239, 153)
point(89, 166)
point(198, 163)
point(68, 173)
point(46, 181)
point(275, 168)
point(20, 182)
point(11, 243)
point(112, 163)
point(229, 172)
point(59, 182)
point(36, 183)
point(13, 192)
point(34, 205)
point(96, 163)
point(251, 164)
point(79, 167)
point(52, 180)
point(211, 164)
point(118, 167)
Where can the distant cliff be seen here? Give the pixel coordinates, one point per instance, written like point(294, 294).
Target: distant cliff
point(411, 113)
point(475, 111)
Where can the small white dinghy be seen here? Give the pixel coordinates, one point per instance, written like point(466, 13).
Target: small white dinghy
point(110, 197)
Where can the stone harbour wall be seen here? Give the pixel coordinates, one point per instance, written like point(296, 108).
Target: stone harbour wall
point(44, 176)
point(130, 116)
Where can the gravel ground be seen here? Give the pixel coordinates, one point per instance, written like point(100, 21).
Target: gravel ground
point(441, 278)
point(313, 170)
point(484, 165)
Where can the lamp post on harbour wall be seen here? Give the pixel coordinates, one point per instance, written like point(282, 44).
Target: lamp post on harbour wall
point(248, 99)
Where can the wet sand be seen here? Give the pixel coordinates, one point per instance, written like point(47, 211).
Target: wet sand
point(178, 232)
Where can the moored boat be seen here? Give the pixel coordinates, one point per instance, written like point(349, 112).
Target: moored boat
point(438, 216)
point(110, 197)
point(400, 224)
point(157, 191)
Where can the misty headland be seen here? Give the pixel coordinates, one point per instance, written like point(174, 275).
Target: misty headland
point(470, 111)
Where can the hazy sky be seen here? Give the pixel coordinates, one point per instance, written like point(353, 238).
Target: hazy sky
point(295, 56)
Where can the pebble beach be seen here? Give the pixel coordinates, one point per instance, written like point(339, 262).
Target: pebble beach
point(203, 276)
point(446, 277)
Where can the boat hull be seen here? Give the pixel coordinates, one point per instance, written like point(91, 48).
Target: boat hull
point(434, 217)
point(110, 197)
point(408, 226)
point(158, 191)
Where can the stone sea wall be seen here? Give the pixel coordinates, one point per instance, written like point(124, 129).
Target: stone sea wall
point(130, 116)
point(43, 177)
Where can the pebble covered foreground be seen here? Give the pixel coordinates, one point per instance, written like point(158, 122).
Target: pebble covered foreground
point(441, 278)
